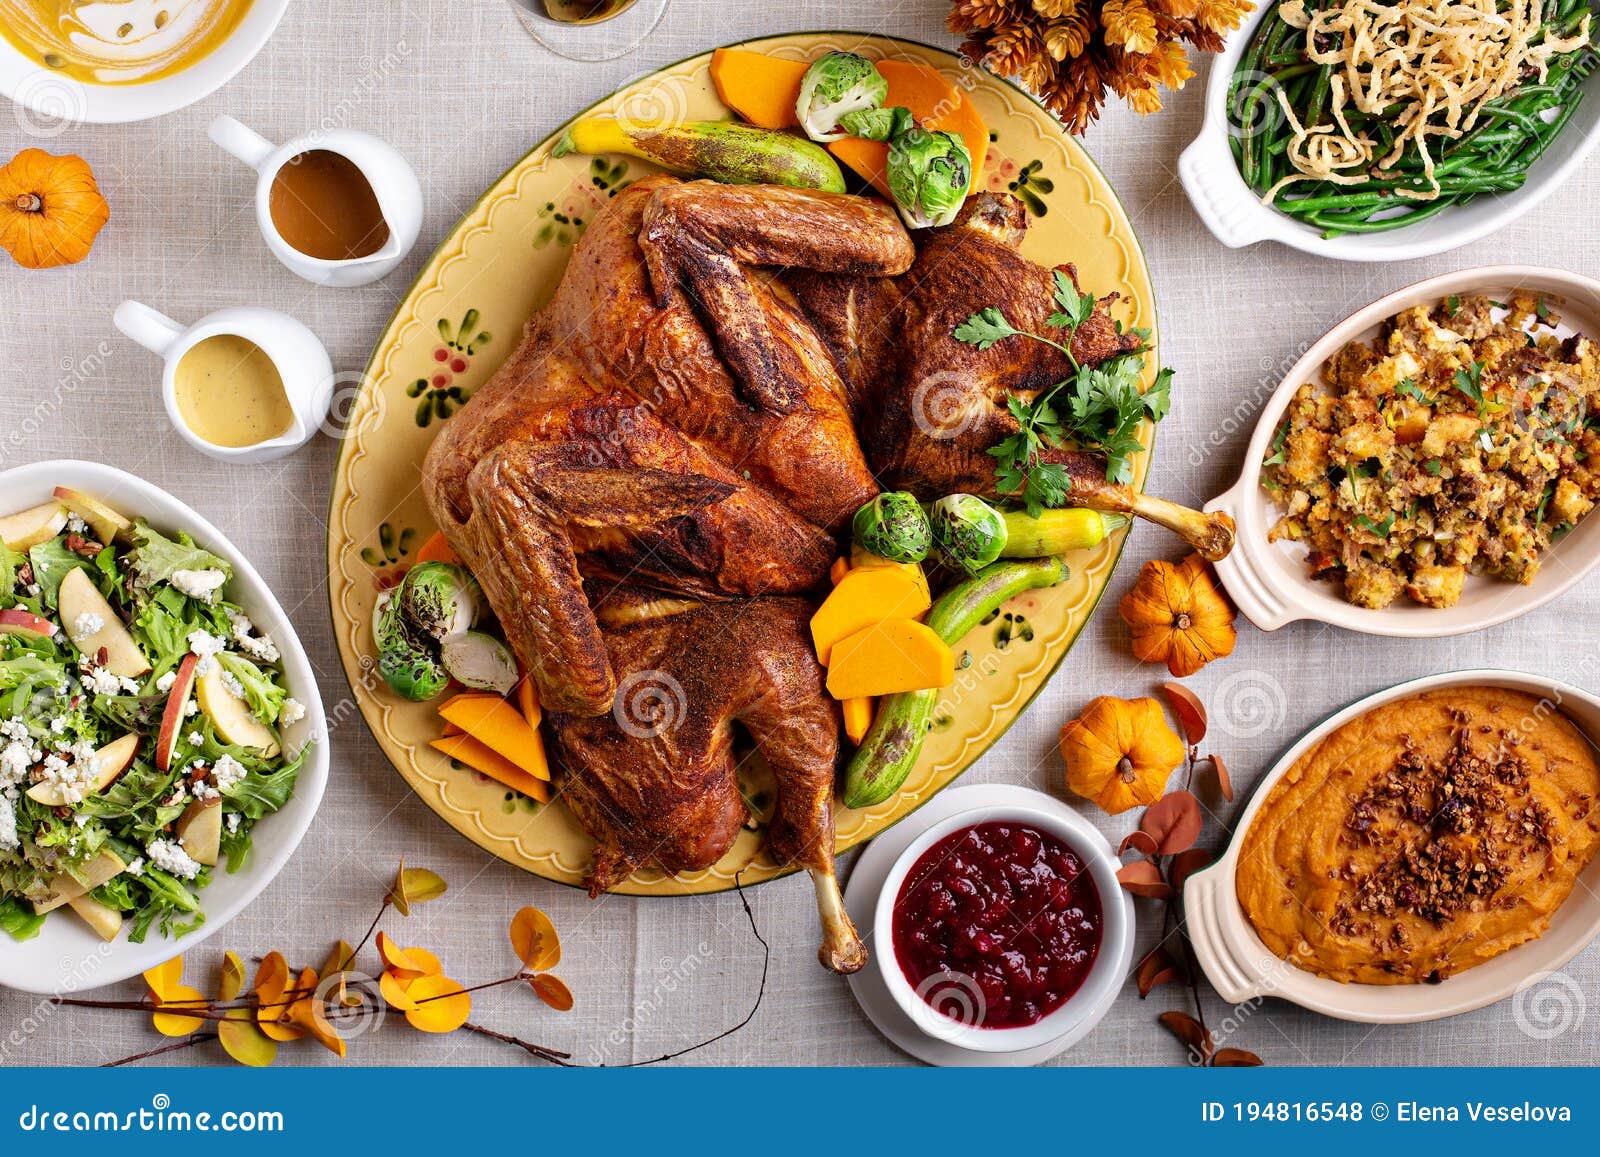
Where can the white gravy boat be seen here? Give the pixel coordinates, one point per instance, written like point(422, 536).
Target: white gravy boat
point(301, 361)
point(392, 181)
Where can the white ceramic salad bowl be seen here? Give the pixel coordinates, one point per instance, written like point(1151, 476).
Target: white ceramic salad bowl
point(1235, 214)
point(1242, 968)
point(49, 100)
point(67, 956)
point(1270, 582)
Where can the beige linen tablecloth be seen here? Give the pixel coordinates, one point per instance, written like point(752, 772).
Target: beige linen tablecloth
point(460, 89)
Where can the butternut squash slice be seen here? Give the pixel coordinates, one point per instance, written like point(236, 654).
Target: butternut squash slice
point(475, 755)
point(857, 712)
point(760, 88)
point(890, 657)
point(436, 549)
point(500, 727)
point(528, 701)
point(864, 597)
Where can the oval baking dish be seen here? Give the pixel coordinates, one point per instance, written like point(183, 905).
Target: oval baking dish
point(1270, 582)
point(1237, 217)
point(1242, 968)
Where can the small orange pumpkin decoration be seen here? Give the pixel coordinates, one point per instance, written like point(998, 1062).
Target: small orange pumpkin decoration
point(1120, 752)
point(51, 209)
point(1178, 615)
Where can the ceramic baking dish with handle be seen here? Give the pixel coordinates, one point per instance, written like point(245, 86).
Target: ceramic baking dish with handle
point(1271, 583)
point(1236, 215)
point(1242, 968)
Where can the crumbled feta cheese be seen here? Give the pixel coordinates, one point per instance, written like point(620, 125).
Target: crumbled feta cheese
point(233, 821)
point(199, 584)
point(33, 590)
point(227, 773)
point(196, 739)
point(231, 682)
point(14, 728)
point(58, 725)
point(136, 868)
point(207, 646)
point(292, 711)
point(86, 624)
point(130, 685)
point(169, 856)
point(100, 681)
point(76, 524)
point(204, 792)
point(9, 840)
point(240, 622)
point(164, 684)
point(190, 708)
point(259, 647)
point(72, 780)
point(16, 757)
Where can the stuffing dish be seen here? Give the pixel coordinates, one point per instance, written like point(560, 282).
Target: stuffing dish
point(1456, 442)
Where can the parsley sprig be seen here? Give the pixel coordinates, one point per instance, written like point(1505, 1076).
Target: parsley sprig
point(1097, 407)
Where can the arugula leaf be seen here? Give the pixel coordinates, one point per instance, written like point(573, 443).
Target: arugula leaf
point(257, 795)
point(984, 328)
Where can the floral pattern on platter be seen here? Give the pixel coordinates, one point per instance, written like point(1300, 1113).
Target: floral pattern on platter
point(562, 222)
point(388, 559)
point(439, 395)
point(1024, 181)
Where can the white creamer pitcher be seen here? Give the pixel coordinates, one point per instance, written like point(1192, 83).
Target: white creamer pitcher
point(391, 179)
point(300, 359)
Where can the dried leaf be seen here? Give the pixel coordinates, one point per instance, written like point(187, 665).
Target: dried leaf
point(397, 960)
point(1156, 969)
point(394, 991)
point(429, 962)
point(1142, 842)
point(534, 939)
point(1143, 878)
point(310, 1014)
point(1236, 1059)
point(230, 980)
point(1224, 780)
point(1188, 1030)
point(340, 958)
point(242, 1039)
point(1186, 864)
point(176, 1024)
point(414, 886)
point(1188, 710)
point(442, 1004)
point(164, 977)
point(553, 991)
point(272, 982)
point(1174, 820)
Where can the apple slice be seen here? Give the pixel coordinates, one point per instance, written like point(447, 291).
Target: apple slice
point(231, 715)
point(17, 621)
point(30, 527)
point(104, 919)
point(111, 761)
point(199, 830)
point(78, 597)
point(105, 522)
point(172, 718)
point(64, 889)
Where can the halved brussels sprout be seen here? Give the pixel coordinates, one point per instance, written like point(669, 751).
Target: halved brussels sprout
point(969, 532)
point(438, 600)
point(480, 661)
point(929, 175)
point(893, 526)
point(837, 84)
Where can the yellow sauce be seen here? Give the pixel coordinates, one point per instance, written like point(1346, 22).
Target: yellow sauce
point(119, 41)
point(230, 392)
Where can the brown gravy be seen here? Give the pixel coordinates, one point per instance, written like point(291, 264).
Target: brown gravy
point(323, 206)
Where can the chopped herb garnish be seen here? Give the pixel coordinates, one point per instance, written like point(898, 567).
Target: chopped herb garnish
point(1470, 382)
point(1433, 465)
point(1381, 529)
point(1277, 457)
point(1452, 304)
point(1410, 389)
point(1542, 311)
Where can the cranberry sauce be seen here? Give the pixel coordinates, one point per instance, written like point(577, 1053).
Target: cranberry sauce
point(997, 924)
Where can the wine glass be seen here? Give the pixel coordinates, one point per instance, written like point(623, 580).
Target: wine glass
point(590, 30)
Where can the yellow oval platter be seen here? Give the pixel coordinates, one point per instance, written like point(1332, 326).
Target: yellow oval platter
point(465, 314)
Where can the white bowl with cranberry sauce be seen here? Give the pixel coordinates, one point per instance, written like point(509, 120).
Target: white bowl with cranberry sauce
point(1070, 947)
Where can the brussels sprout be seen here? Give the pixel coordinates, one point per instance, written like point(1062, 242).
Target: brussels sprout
point(969, 532)
point(929, 173)
point(877, 124)
point(438, 600)
point(388, 628)
point(413, 673)
point(834, 85)
point(893, 526)
point(480, 661)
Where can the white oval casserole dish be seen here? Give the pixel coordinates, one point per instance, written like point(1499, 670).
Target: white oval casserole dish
point(1270, 582)
point(1242, 968)
point(1235, 214)
point(67, 956)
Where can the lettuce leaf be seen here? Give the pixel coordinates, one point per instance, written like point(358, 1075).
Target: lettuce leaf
point(257, 795)
point(51, 561)
point(17, 918)
point(261, 692)
point(156, 558)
